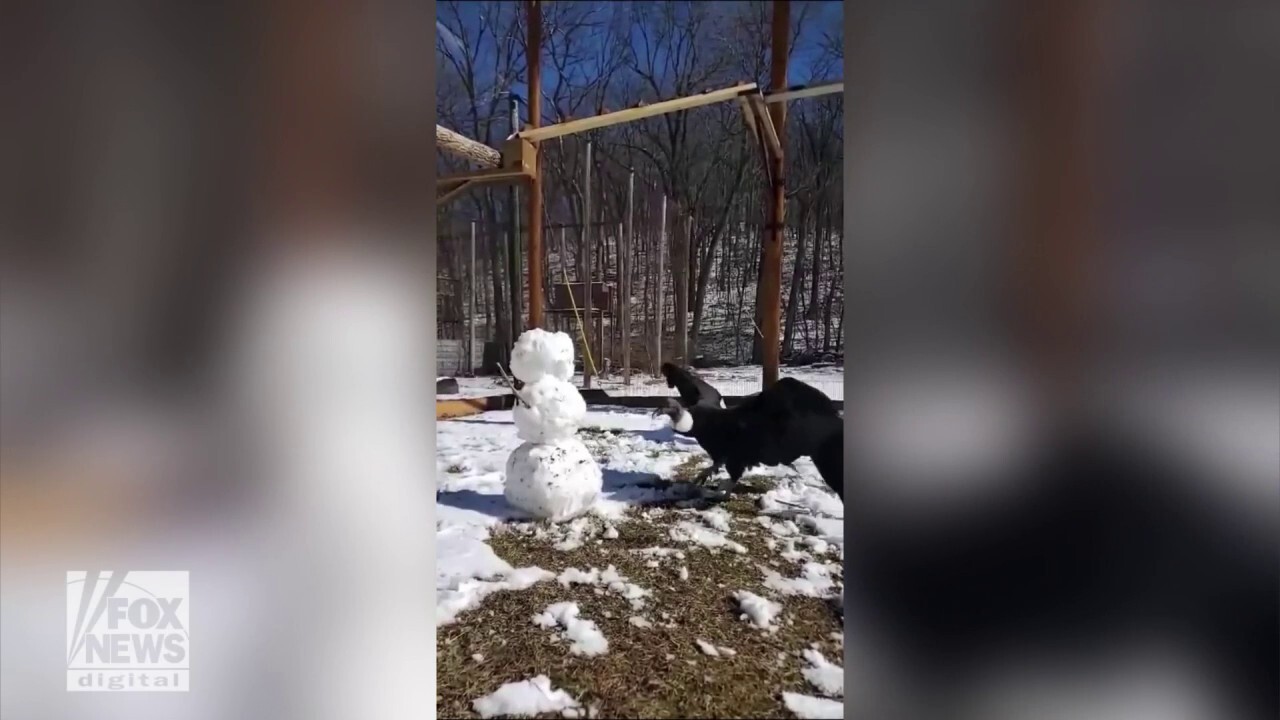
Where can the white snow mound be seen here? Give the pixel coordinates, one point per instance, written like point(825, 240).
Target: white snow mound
point(524, 698)
point(808, 706)
point(760, 611)
point(555, 481)
point(584, 635)
point(827, 677)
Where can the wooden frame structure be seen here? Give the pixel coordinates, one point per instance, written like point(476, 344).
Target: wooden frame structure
point(764, 113)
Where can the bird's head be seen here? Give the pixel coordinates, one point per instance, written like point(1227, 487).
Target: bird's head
point(669, 371)
point(681, 419)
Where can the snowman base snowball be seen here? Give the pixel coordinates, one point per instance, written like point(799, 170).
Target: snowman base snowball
point(554, 481)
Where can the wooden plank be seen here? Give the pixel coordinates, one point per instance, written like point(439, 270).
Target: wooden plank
point(447, 409)
point(804, 91)
point(636, 113)
point(487, 175)
point(451, 186)
point(773, 144)
point(456, 189)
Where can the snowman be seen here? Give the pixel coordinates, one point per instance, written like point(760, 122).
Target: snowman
point(552, 474)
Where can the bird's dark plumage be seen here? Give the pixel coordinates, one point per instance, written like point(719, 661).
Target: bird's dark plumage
point(777, 426)
point(693, 389)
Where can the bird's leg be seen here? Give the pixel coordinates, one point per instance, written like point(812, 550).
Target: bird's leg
point(735, 474)
point(707, 473)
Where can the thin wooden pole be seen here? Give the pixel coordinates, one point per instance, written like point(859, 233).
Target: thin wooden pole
point(624, 302)
point(586, 270)
point(514, 253)
point(534, 14)
point(471, 309)
point(771, 254)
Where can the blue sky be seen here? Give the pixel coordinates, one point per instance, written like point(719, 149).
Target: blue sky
point(823, 17)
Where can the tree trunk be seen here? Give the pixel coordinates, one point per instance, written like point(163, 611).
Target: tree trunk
point(819, 243)
point(464, 147)
point(797, 279)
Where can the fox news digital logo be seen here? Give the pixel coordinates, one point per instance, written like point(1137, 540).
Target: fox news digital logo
point(127, 631)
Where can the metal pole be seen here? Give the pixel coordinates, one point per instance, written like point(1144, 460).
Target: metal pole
point(588, 357)
point(514, 255)
point(662, 242)
point(771, 252)
point(534, 13)
point(624, 302)
point(471, 307)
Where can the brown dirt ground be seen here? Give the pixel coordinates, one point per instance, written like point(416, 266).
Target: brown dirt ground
point(656, 672)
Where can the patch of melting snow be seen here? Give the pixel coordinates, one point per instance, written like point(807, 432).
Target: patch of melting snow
point(585, 637)
point(610, 579)
point(694, 534)
point(815, 581)
point(716, 518)
point(469, 593)
point(524, 698)
point(760, 611)
point(812, 708)
point(640, 621)
point(823, 675)
point(660, 552)
point(714, 650)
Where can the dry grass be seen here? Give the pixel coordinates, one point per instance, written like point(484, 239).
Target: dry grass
point(653, 672)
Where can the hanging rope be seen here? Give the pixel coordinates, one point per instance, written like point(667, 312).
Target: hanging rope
point(581, 330)
point(564, 274)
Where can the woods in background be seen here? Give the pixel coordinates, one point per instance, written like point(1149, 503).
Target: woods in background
point(599, 57)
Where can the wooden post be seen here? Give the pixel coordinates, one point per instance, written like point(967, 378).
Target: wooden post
point(534, 15)
point(310, 159)
point(624, 300)
point(588, 358)
point(1056, 96)
point(771, 251)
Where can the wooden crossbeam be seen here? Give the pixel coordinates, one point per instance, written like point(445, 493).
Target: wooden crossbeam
point(636, 113)
point(519, 161)
point(749, 115)
point(454, 190)
point(797, 92)
point(486, 175)
point(769, 133)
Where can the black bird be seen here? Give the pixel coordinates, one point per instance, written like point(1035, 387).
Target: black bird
point(777, 426)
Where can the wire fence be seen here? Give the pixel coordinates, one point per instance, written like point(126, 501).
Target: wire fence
point(832, 387)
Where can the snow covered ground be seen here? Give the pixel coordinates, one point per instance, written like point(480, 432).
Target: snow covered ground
point(742, 380)
point(788, 539)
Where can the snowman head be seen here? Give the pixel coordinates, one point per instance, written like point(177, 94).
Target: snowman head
point(538, 354)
